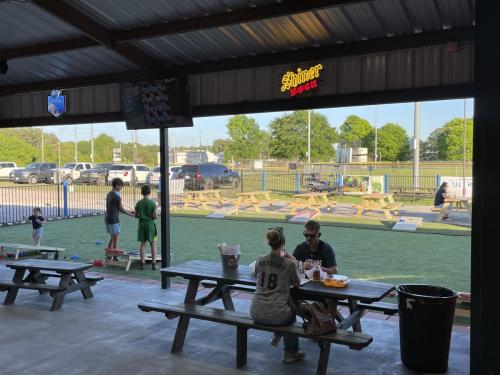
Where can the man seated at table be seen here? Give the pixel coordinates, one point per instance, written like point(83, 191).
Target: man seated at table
point(315, 249)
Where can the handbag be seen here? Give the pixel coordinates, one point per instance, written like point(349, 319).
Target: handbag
point(317, 319)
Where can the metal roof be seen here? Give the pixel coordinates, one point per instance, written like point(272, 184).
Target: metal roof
point(24, 24)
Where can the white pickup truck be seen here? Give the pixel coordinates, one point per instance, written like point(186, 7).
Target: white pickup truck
point(69, 172)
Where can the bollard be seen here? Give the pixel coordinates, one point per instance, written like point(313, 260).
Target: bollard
point(386, 183)
point(264, 181)
point(297, 183)
point(65, 198)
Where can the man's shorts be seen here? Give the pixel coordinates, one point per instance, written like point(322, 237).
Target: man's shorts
point(113, 229)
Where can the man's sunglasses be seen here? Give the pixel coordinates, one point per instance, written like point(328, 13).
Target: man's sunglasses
point(310, 235)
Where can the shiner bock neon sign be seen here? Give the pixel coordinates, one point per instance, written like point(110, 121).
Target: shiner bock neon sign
point(301, 81)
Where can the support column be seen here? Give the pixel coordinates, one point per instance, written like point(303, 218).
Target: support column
point(485, 325)
point(165, 206)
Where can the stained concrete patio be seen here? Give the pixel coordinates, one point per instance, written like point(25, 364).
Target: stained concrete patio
point(108, 335)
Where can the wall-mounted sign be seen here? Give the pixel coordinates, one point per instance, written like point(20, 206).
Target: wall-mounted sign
point(56, 103)
point(117, 155)
point(301, 81)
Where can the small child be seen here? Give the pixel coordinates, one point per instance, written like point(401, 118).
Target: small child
point(145, 211)
point(36, 221)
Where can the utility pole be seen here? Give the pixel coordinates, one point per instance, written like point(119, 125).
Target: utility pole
point(464, 190)
point(59, 153)
point(43, 151)
point(76, 146)
point(134, 156)
point(375, 153)
point(416, 146)
point(308, 136)
point(92, 143)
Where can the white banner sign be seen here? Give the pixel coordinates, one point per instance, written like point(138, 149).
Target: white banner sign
point(455, 185)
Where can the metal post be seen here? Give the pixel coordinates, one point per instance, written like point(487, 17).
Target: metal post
point(386, 183)
point(297, 183)
point(165, 206)
point(92, 143)
point(375, 153)
point(43, 150)
point(76, 147)
point(264, 181)
point(65, 198)
point(308, 136)
point(438, 182)
point(464, 190)
point(416, 151)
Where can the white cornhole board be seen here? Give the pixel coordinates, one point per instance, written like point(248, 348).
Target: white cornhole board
point(303, 216)
point(408, 223)
point(219, 214)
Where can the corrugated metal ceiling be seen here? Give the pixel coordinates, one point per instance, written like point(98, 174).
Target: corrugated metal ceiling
point(25, 24)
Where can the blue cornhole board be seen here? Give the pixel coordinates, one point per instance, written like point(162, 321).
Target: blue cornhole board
point(304, 216)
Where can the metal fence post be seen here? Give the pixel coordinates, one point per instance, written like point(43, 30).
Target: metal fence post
point(65, 198)
point(438, 182)
point(241, 181)
point(297, 183)
point(339, 182)
point(264, 181)
point(386, 183)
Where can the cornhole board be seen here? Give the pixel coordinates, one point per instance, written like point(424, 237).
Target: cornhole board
point(219, 214)
point(125, 259)
point(303, 216)
point(408, 223)
point(30, 248)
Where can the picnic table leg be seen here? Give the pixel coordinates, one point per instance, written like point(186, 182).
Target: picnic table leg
point(59, 296)
point(226, 298)
point(182, 326)
point(324, 355)
point(387, 214)
point(86, 292)
point(35, 276)
point(353, 304)
point(10, 298)
point(56, 255)
point(241, 346)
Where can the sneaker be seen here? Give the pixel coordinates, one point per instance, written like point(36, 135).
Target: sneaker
point(275, 341)
point(290, 357)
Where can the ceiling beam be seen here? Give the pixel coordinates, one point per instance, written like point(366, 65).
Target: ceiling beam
point(379, 45)
point(281, 9)
point(114, 39)
point(97, 32)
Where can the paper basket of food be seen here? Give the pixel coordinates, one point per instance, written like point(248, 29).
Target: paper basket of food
point(336, 281)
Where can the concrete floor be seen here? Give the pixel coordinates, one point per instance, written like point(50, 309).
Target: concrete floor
point(108, 335)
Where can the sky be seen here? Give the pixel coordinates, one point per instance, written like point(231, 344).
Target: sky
point(433, 114)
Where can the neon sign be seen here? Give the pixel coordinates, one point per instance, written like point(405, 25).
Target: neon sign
point(301, 81)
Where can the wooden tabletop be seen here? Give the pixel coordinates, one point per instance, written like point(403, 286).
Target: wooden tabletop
point(366, 291)
point(30, 247)
point(376, 196)
point(248, 193)
point(49, 265)
point(449, 200)
point(310, 195)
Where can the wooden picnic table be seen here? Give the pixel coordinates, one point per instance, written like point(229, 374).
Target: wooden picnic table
point(378, 201)
point(312, 200)
point(254, 199)
point(460, 202)
point(197, 270)
point(200, 198)
point(19, 247)
point(71, 278)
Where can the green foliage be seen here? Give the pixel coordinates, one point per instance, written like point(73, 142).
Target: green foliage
point(14, 148)
point(219, 145)
point(356, 132)
point(393, 142)
point(245, 138)
point(288, 138)
point(450, 141)
point(429, 149)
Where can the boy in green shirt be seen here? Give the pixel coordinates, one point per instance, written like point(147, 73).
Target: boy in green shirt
point(145, 211)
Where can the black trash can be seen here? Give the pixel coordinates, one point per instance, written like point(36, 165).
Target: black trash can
point(425, 321)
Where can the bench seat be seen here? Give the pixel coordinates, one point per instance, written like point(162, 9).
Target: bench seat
point(384, 307)
point(7, 284)
point(91, 279)
point(243, 322)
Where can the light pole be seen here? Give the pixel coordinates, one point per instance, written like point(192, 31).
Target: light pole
point(464, 190)
point(416, 145)
point(92, 143)
point(375, 153)
point(308, 136)
point(43, 151)
point(76, 146)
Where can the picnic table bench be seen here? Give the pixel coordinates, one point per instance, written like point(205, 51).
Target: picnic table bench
point(31, 248)
point(71, 278)
point(414, 192)
point(380, 202)
point(255, 199)
point(197, 271)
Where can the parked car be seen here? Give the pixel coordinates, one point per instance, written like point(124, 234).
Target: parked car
point(69, 172)
point(208, 176)
point(33, 173)
point(129, 172)
point(96, 175)
point(5, 168)
point(154, 176)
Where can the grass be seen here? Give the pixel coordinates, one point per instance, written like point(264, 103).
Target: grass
point(380, 255)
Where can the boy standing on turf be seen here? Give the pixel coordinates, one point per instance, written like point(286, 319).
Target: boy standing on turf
point(113, 209)
point(36, 221)
point(145, 211)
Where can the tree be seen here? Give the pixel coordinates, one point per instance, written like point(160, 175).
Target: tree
point(245, 138)
point(356, 131)
point(288, 138)
point(429, 149)
point(450, 141)
point(219, 145)
point(393, 142)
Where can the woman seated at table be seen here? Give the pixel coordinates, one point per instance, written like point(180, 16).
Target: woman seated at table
point(272, 304)
point(441, 195)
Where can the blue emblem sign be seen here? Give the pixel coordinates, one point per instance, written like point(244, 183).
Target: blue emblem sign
point(56, 103)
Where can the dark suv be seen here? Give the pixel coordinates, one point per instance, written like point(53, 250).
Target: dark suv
point(207, 176)
point(33, 173)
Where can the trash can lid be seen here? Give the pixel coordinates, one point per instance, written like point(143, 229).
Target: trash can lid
point(426, 291)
